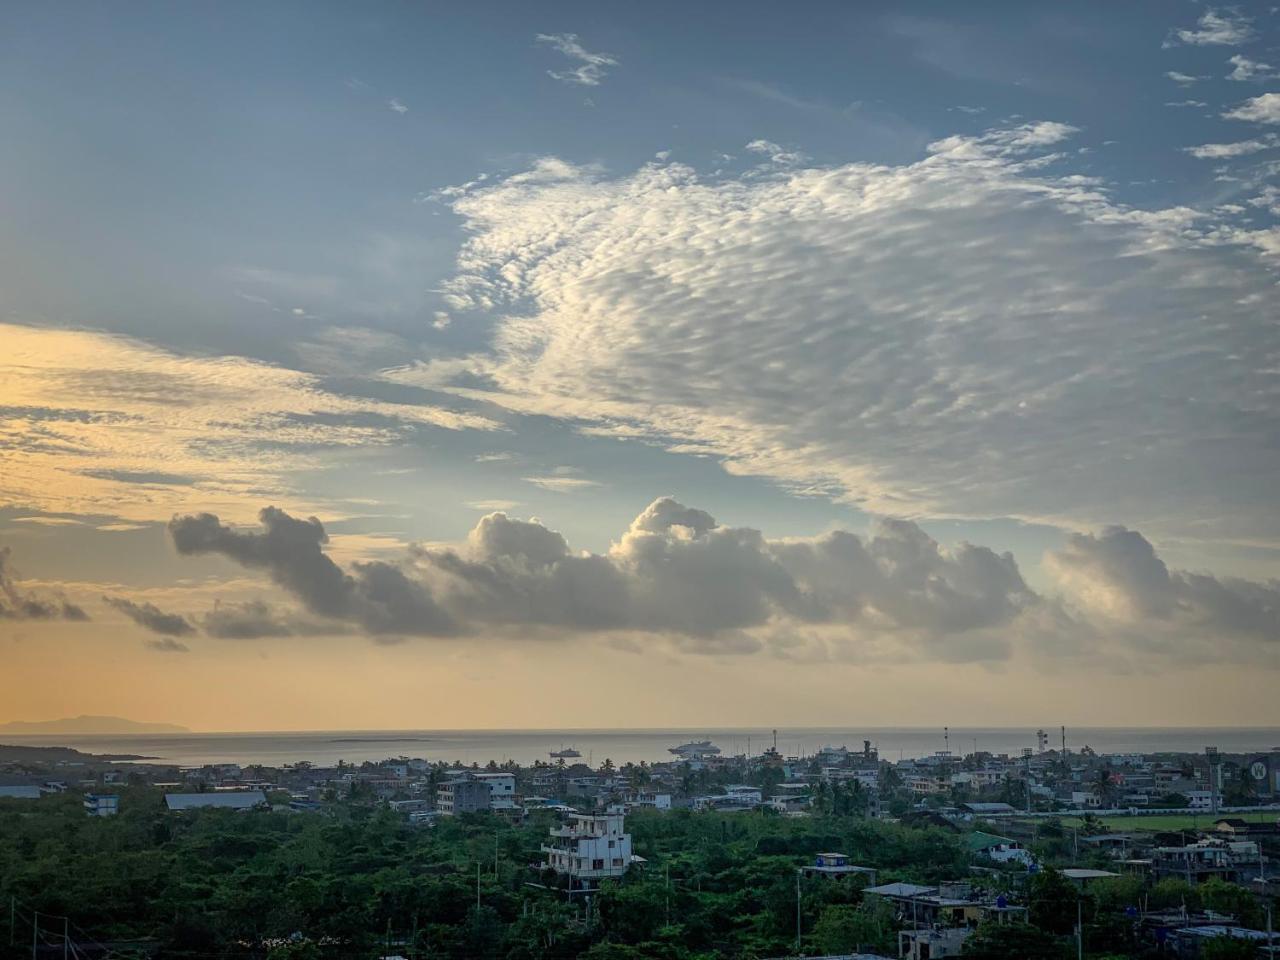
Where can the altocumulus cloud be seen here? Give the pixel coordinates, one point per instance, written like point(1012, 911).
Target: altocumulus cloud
point(676, 574)
point(979, 333)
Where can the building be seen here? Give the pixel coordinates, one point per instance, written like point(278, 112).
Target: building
point(652, 801)
point(588, 849)
point(838, 865)
point(1197, 862)
point(101, 804)
point(20, 792)
point(932, 943)
point(464, 795)
point(221, 800)
point(502, 789)
point(999, 849)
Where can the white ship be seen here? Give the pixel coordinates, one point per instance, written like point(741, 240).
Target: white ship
point(696, 748)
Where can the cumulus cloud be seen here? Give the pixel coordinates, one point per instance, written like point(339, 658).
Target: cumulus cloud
point(377, 596)
point(19, 604)
point(1263, 109)
point(101, 424)
point(983, 332)
point(674, 572)
point(1183, 79)
point(1117, 574)
point(678, 576)
point(152, 617)
point(1223, 28)
point(590, 68)
point(1246, 70)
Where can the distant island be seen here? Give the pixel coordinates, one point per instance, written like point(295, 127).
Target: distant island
point(88, 725)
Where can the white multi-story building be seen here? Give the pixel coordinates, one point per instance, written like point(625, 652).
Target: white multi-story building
point(502, 789)
point(589, 848)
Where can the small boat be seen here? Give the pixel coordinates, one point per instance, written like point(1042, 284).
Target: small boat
point(696, 748)
point(568, 753)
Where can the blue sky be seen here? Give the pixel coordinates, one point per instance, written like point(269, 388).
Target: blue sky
point(1003, 270)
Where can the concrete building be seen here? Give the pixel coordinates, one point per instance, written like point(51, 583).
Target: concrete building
point(588, 849)
point(932, 943)
point(101, 804)
point(464, 795)
point(502, 789)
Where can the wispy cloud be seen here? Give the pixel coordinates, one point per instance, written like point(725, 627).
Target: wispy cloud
point(1184, 79)
point(1186, 103)
point(1218, 151)
point(397, 106)
point(590, 69)
point(101, 424)
point(1215, 28)
point(561, 484)
point(491, 505)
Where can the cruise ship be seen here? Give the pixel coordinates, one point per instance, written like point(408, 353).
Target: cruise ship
point(568, 753)
point(696, 748)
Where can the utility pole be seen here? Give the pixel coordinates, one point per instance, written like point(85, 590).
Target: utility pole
point(797, 913)
point(13, 915)
point(1079, 932)
point(477, 888)
point(667, 868)
point(66, 939)
point(35, 932)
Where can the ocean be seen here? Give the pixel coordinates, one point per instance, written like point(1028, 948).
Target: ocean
point(324, 748)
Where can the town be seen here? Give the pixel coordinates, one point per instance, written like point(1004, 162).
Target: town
point(952, 854)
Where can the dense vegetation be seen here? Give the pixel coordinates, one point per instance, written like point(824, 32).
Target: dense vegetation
point(224, 884)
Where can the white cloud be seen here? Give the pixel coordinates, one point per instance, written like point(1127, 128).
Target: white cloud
point(489, 506)
point(590, 69)
point(397, 106)
point(1215, 151)
point(92, 423)
point(1185, 79)
point(1263, 109)
point(1246, 70)
point(964, 335)
point(1215, 28)
point(1186, 103)
point(559, 483)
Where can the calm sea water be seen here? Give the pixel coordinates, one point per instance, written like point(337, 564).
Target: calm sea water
point(621, 746)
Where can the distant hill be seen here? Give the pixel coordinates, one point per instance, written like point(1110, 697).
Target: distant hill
point(85, 724)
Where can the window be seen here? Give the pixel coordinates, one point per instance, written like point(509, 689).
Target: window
point(597, 864)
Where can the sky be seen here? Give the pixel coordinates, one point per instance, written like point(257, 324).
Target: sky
point(445, 365)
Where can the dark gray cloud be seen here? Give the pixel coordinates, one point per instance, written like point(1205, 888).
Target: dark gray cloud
point(377, 596)
point(250, 620)
point(18, 604)
point(1117, 573)
point(167, 645)
point(152, 617)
